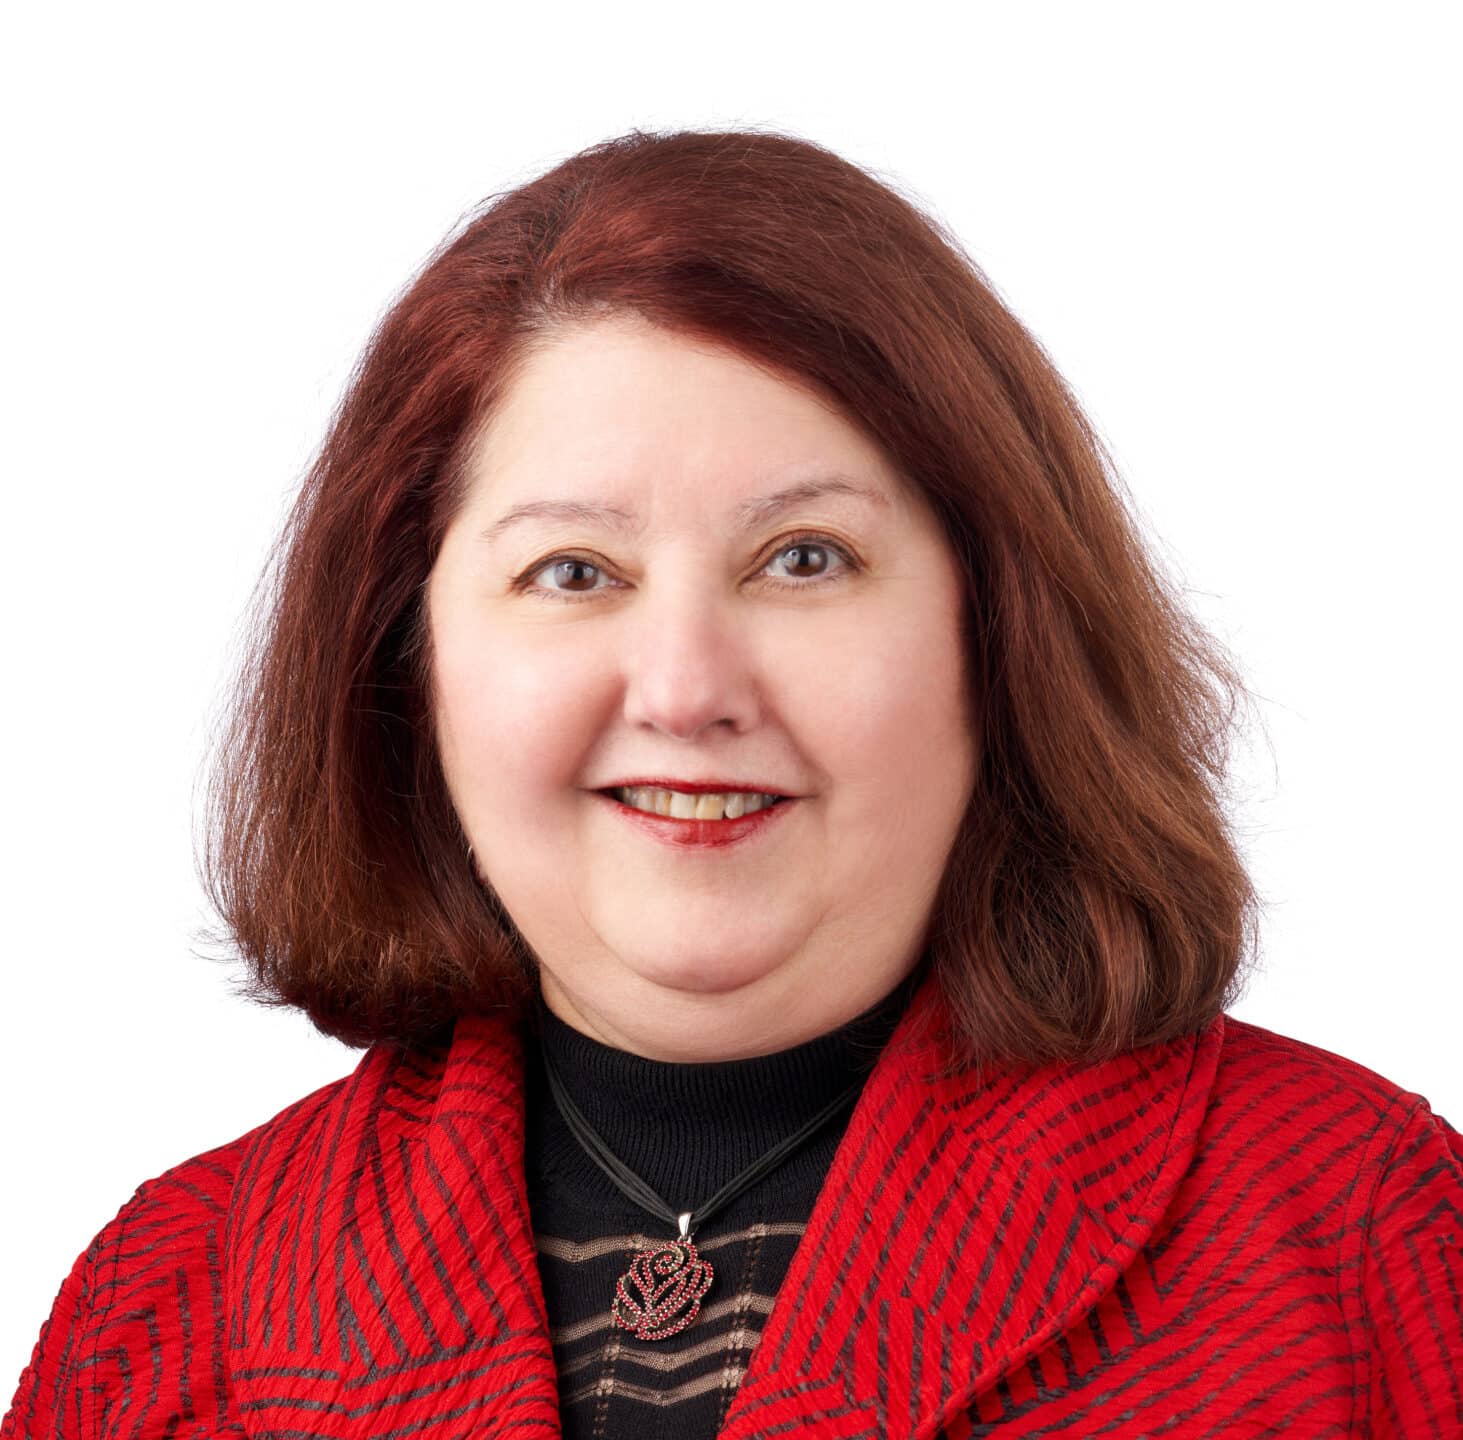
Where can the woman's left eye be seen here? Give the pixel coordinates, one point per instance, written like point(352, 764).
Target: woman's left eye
point(796, 544)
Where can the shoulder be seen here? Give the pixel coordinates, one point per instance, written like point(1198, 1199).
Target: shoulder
point(1330, 1123)
point(1331, 1112)
point(181, 1214)
point(1282, 1075)
point(149, 1273)
point(150, 1282)
point(1360, 1167)
point(182, 1211)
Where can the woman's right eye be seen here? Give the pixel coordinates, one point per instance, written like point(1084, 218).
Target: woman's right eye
point(567, 563)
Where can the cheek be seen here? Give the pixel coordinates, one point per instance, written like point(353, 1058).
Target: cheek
point(507, 728)
point(891, 710)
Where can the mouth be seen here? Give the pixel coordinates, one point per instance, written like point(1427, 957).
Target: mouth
point(708, 829)
point(714, 807)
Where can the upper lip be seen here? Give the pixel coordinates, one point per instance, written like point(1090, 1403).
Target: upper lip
point(700, 787)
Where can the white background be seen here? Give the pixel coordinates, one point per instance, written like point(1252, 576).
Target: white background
point(1231, 225)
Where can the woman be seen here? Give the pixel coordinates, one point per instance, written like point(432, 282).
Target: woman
point(719, 742)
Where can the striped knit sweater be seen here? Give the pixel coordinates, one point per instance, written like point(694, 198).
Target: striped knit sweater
point(686, 1130)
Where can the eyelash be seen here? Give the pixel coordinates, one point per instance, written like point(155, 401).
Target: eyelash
point(522, 582)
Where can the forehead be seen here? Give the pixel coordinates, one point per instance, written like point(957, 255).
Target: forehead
point(620, 402)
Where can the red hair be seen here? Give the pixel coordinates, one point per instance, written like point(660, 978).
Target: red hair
point(1093, 900)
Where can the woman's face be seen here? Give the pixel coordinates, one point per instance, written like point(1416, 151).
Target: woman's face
point(699, 633)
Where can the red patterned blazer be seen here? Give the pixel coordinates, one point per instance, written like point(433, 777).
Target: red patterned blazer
point(1231, 1235)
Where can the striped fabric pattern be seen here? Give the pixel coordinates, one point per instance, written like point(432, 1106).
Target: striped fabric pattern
point(610, 1383)
point(1234, 1234)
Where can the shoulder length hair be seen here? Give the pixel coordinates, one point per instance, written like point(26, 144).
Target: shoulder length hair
point(1093, 901)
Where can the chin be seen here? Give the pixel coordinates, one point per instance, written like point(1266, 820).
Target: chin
point(707, 972)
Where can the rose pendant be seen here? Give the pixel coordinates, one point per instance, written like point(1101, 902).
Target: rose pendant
point(661, 1291)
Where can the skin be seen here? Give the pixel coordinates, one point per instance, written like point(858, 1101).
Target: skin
point(696, 651)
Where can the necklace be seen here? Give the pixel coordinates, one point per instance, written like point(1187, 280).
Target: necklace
point(662, 1290)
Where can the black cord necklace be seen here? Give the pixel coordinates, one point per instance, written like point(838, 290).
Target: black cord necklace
point(661, 1292)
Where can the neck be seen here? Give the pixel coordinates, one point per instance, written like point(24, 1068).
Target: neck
point(686, 1129)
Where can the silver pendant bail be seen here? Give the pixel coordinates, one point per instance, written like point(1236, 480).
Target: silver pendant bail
point(686, 1225)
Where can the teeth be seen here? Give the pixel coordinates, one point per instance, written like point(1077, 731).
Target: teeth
point(680, 806)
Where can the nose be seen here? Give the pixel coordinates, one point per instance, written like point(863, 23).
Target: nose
point(686, 666)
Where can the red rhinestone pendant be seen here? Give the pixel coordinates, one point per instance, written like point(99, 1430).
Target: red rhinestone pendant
point(661, 1291)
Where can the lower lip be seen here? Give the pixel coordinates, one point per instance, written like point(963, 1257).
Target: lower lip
point(700, 834)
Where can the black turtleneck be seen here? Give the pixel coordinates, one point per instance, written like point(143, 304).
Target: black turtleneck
point(686, 1130)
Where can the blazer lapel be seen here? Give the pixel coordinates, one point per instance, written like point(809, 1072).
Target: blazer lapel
point(381, 1270)
point(964, 1225)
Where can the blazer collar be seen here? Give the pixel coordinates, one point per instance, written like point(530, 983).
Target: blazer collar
point(382, 1276)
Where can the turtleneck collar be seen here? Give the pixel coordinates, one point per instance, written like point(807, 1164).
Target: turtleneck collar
point(686, 1129)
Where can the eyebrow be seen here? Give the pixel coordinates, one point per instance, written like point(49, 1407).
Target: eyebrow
point(750, 513)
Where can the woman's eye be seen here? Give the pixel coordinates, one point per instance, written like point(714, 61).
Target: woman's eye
point(564, 568)
point(570, 570)
point(825, 548)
